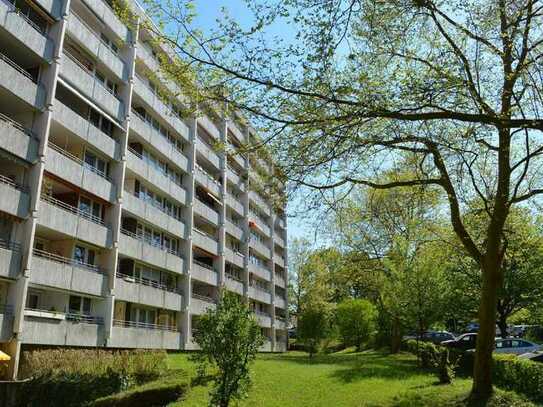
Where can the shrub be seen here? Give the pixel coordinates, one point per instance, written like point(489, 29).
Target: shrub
point(156, 393)
point(355, 319)
point(70, 377)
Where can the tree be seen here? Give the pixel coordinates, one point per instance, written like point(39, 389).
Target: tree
point(356, 321)
point(229, 338)
point(452, 87)
point(522, 267)
point(313, 325)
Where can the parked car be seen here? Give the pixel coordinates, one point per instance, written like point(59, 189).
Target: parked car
point(533, 356)
point(462, 342)
point(515, 346)
point(431, 336)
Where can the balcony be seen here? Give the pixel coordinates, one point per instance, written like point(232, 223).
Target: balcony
point(51, 270)
point(260, 294)
point(234, 257)
point(280, 281)
point(15, 199)
point(259, 247)
point(234, 284)
point(205, 242)
point(279, 260)
point(52, 7)
point(278, 240)
point(68, 167)
point(236, 179)
point(234, 155)
point(267, 347)
point(205, 273)
point(105, 13)
point(264, 319)
point(43, 327)
point(85, 81)
point(6, 323)
point(21, 27)
point(150, 212)
point(259, 224)
point(234, 230)
point(207, 181)
point(10, 259)
point(155, 176)
point(206, 212)
point(200, 303)
point(137, 247)
point(235, 204)
point(280, 223)
point(156, 139)
point(260, 271)
point(209, 127)
point(85, 131)
point(280, 345)
point(92, 43)
point(19, 82)
point(233, 127)
point(69, 220)
point(260, 202)
point(153, 65)
point(208, 152)
point(280, 302)
point(143, 291)
point(131, 334)
point(18, 140)
point(165, 112)
point(280, 323)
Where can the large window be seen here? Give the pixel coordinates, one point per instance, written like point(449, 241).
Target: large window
point(79, 305)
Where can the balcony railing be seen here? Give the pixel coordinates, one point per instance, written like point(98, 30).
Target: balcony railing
point(13, 184)
point(259, 288)
point(91, 75)
point(233, 277)
point(202, 264)
point(18, 126)
point(150, 283)
point(262, 314)
point(85, 319)
point(150, 242)
point(73, 209)
point(204, 298)
point(147, 123)
point(166, 103)
point(207, 175)
point(94, 34)
point(153, 203)
point(79, 161)
point(66, 260)
point(144, 325)
point(10, 245)
point(15, 10)
point(157, 167)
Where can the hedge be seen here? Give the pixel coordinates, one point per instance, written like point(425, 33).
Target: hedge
point(157, 393)
point(509, 372)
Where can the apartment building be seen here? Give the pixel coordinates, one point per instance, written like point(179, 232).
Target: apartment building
point(119, 220)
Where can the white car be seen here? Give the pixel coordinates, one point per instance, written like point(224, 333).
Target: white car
point(515, 346)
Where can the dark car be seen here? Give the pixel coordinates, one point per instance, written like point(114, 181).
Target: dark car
point(533, 356)
point(463, 342)
point(437, 336)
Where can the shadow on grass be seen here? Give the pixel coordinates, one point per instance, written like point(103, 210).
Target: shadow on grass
point(394, 370)
point(334, 358)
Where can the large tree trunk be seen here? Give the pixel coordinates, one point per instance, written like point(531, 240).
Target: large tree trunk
point(396, 337)
point(482, 370)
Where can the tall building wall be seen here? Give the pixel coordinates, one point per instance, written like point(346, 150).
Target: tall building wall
point(119, 220)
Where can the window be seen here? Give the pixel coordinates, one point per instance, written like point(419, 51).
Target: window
point(79, 305)
point(33, 300)
point(90, 208)
point(83, 255)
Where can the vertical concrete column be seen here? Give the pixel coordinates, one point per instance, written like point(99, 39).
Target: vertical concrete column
point(189, 216)
point(41, 126)
point(221, 266)
point(128, 55)
point(245, 202)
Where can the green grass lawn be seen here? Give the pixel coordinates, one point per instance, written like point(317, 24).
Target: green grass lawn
point(339, 380)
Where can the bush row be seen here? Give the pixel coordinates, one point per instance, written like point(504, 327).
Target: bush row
point(71, 377)
point(509, 372)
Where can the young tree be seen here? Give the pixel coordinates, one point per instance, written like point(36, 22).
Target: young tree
point(355, 319)
point(229, 338)
point(358, 86)
point(313, 325)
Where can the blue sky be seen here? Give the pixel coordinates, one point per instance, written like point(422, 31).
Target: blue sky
point(208, 12)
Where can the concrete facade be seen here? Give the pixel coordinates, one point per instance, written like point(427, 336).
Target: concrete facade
point(120, 219)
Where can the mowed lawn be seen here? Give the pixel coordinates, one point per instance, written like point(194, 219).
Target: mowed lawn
point(338, 380)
